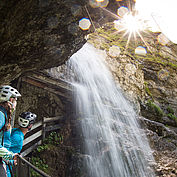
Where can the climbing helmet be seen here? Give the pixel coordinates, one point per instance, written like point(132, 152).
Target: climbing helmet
point(26, 118)
point(6, 92)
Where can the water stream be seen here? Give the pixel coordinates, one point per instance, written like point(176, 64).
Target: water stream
point(114, 143)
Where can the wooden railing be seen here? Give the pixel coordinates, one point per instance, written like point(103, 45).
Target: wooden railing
point(38, 132)
point(33, 139)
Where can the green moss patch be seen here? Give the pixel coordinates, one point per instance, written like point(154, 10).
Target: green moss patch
point(110, 36)
point(155, 109)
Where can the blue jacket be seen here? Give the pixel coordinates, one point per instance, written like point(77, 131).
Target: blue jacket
point(4, 153)
point(13, 142)
point(17, 138)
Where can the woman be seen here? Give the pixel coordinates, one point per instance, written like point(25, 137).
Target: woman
point(8, 102)
point(14, 142)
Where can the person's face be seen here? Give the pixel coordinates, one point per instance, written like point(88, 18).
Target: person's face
point(29, 127)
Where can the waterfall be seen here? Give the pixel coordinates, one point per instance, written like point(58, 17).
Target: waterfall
point(114, 143)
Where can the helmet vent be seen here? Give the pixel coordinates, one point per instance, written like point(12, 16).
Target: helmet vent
point(5, 91)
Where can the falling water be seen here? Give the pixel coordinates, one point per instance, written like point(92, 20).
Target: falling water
point(115, 146)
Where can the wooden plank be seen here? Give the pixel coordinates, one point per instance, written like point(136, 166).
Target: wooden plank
point(31, 148)
point(52, 127)
point(60, 83)
point(45, 86)
point(46, 76)
point(51, 119)
point(33, 82)
point(36, 125)
point(32, 137)
point(43, 130)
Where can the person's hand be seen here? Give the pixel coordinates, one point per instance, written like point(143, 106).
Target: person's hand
point(15, 156)
point(15, 162)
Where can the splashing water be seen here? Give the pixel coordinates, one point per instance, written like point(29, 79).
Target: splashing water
point(115, 146)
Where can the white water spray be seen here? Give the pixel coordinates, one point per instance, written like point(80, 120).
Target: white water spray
point(115, 146)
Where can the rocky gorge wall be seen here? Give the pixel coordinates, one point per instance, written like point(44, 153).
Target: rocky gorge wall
point(42, 34)
point(147, 81)
point(150, 83)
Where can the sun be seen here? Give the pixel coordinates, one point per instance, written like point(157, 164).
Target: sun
point(134, 23)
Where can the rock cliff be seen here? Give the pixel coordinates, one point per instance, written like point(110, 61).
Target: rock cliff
point(150, 82)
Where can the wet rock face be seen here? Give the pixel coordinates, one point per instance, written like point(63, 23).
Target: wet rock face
point(150, 82)
point(38, 34)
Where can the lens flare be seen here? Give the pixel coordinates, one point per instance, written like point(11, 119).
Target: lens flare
point(140, 50)
point(114, 51)
point(104, 3)
point(122, 11)
point(99, 0)
point(84, 23)
point(98, 3)
point(132, 23)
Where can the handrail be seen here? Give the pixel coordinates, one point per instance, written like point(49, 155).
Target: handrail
point(39, 130)
point(34, 167)
point(35, 138)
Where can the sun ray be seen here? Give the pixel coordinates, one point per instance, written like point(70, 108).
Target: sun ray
point(129, 37)
point(130, 23)
point(144, 41)
point(112, 14)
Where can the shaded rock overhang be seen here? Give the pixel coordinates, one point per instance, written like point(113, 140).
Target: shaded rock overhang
point(40, 34)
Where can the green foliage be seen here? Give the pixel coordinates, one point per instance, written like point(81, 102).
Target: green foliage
point(111, 37)
point(39, 163)
point(166, 125)
point(147, 90)
point(154, 108)
point(54, 138)
point(172, 116)
point(170, 110)
point(42, 147)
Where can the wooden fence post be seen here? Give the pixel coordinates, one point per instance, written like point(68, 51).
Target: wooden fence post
point(43, 129)
point(38, 134)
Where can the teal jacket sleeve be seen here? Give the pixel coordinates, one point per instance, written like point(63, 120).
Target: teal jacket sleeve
point(4, 153)
point(17, 138)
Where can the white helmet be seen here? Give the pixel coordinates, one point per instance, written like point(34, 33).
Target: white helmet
point(6, 92)
point(26, 118)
